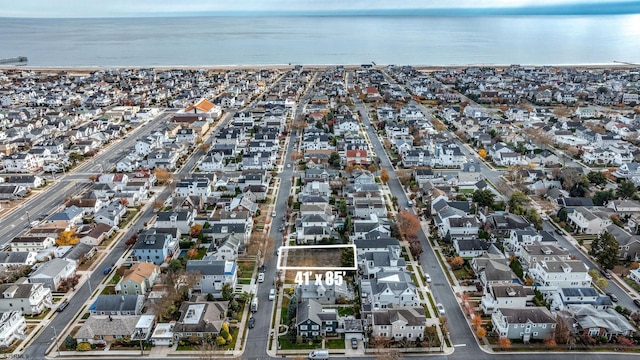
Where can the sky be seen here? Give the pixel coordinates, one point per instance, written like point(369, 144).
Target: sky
point(135, 8)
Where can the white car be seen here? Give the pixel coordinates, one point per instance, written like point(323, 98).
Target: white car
point(274, 213)
point(440, 308)
point(428, 277)
point(272, 294)
point(261, 277)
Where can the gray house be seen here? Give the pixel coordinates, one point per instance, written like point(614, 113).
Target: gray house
point(312, 320)
point(154, 246)
point(52, 273)
point(530, 323)
point(213, 274)
point(117, 305)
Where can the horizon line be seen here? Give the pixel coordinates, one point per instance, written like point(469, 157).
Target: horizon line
point(617, 8)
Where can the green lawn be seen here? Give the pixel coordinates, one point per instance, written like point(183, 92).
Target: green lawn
point(462, 273)
point(284, 313)
point(345, 311)
point(335, 344)
point(244, 281)
point(286, 344)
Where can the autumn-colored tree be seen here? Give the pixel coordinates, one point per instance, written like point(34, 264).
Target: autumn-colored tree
point(408, 223)
point(205, 147)
point(192, 253)
point(482, 153)
point(131, 240)
point(196, 230)
point(481, 332)
point(504, 342)
point(387, 144)
point(124, 201)
point(384, 176)
point(163, 176)
point(476, 321)
point(457, 262)
point(67, 238)
point(349, 168)
point(550, 342)
point(404, 176)
point(296, 156)
point(372, 168)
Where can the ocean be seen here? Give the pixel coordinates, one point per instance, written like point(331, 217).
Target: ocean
point(402, 40)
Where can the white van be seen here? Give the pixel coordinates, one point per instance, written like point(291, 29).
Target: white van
point(320, 354)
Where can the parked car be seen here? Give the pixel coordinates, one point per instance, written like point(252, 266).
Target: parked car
point(559, 232)
point(428, 277)
point(605, 273)
point(272, 294)
point(613, 297)
point(637, 302)
point(262, 269)
point(252, 322)
point(107, 270)
point(62, 306)
point(354, 343)
point(274, 213)
point(440, 308)
point(261, 277)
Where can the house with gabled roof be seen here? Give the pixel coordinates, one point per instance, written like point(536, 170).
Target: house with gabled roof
point(505, 295)
point(393, 287)
point(398, 323)
point(601, 323)
point(589, 221)
point(139, 279)
point(117, 305)
point(629, 244)
point(313, 321)
point(201, 318)
point(213, 274)
point(526, 324)
point(155, 246)
point(52, 272)
point(28, 299)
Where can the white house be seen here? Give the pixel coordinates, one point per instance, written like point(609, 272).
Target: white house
point(12, 327)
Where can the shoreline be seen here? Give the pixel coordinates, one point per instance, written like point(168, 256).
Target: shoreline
point(308, 66)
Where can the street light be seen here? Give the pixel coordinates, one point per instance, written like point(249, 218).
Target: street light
point(28, 218)
point(55, 333)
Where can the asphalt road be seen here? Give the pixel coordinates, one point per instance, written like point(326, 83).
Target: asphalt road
point(49, 200)
point(38, 346)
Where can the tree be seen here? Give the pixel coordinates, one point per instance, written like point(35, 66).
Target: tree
point(415, 246)
point(626, 189)
point(517, 201)
point(163, 176)
point(605, 250)
point(602, 283)
point(408, 222)
point(482, 153)
point(192, 253)
point(334, 159)
point(569, 176)
point(597, 178)
point(504, 343)
point(550, 342)
point(563, 332)
point(384, 176)
point(481, 332)
point(483, 197)
point(600, 198)
point(132, 240)
point(220, 341)
point(372, 167)
point(227, 291)
point(196, 229)
point(293, 308)
point(67, 238)
point(457, 262)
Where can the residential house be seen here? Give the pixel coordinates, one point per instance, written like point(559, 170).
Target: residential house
point(12, 327)
point(52, 272)
point(72, 215)
point(628, 244)
point(462, 228)
point(213, 274)
point(32, 243)
point(589, 221)
point(103, 329)
point(470, 248)
point(380, 261)
point(552, 274)
point(512, 295)
point(200, 319)
point(398, 323)
point(17, 258)
point(179, 219)
point(601, 323)
point(28, 299)
point(324, 293)
point(111, 214)
point(198, 187)
point(117, 305)
point(530, 323)
point(394, 287)
point(155, 246)
point(139, 279)
point(313, 321)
